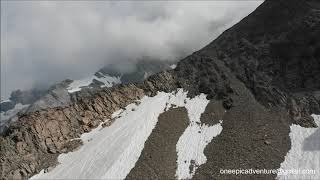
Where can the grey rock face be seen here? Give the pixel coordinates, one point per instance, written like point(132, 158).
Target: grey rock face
point(37, 138)
point(56, 96)
point(274, 54)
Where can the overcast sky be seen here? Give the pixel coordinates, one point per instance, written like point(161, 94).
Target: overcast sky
point(46, 42)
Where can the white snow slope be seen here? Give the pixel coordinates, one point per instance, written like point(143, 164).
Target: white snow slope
point(111, 152)
point(107, 80)
point(303, 159)
point(195, 138)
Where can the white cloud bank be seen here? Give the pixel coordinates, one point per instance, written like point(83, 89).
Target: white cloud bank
point(44, 42)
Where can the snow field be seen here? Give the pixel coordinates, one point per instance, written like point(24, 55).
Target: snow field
point(108, 81)
point(304, 154)
point(111, 152)
point(196, 137)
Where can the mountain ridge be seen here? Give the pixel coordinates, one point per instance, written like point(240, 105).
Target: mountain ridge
point(244, 70)
point(60, 94)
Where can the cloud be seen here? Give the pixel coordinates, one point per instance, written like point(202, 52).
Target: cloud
point(43, 42)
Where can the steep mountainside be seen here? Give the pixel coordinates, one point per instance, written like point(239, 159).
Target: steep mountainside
point(238, 103)
point(274, 52)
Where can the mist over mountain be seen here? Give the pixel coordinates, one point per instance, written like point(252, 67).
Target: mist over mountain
point(245, 106)
point(58, 94)
point(46, 42)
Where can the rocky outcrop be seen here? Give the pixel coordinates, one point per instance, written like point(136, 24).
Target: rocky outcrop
point(34, 141)
point(55, 96)
point(300, 106)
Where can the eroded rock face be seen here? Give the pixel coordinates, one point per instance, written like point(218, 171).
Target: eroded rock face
point(34, 141)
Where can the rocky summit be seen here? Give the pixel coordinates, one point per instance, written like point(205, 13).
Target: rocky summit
point(248, 100)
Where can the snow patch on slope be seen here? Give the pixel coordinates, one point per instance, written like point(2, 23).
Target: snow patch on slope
point(304, 153)
point(111, 152)
point(122, 166)
point(107, 81)
point(195, 138)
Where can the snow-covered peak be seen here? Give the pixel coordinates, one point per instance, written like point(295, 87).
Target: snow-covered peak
point(105, 80)
point(173, 66)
